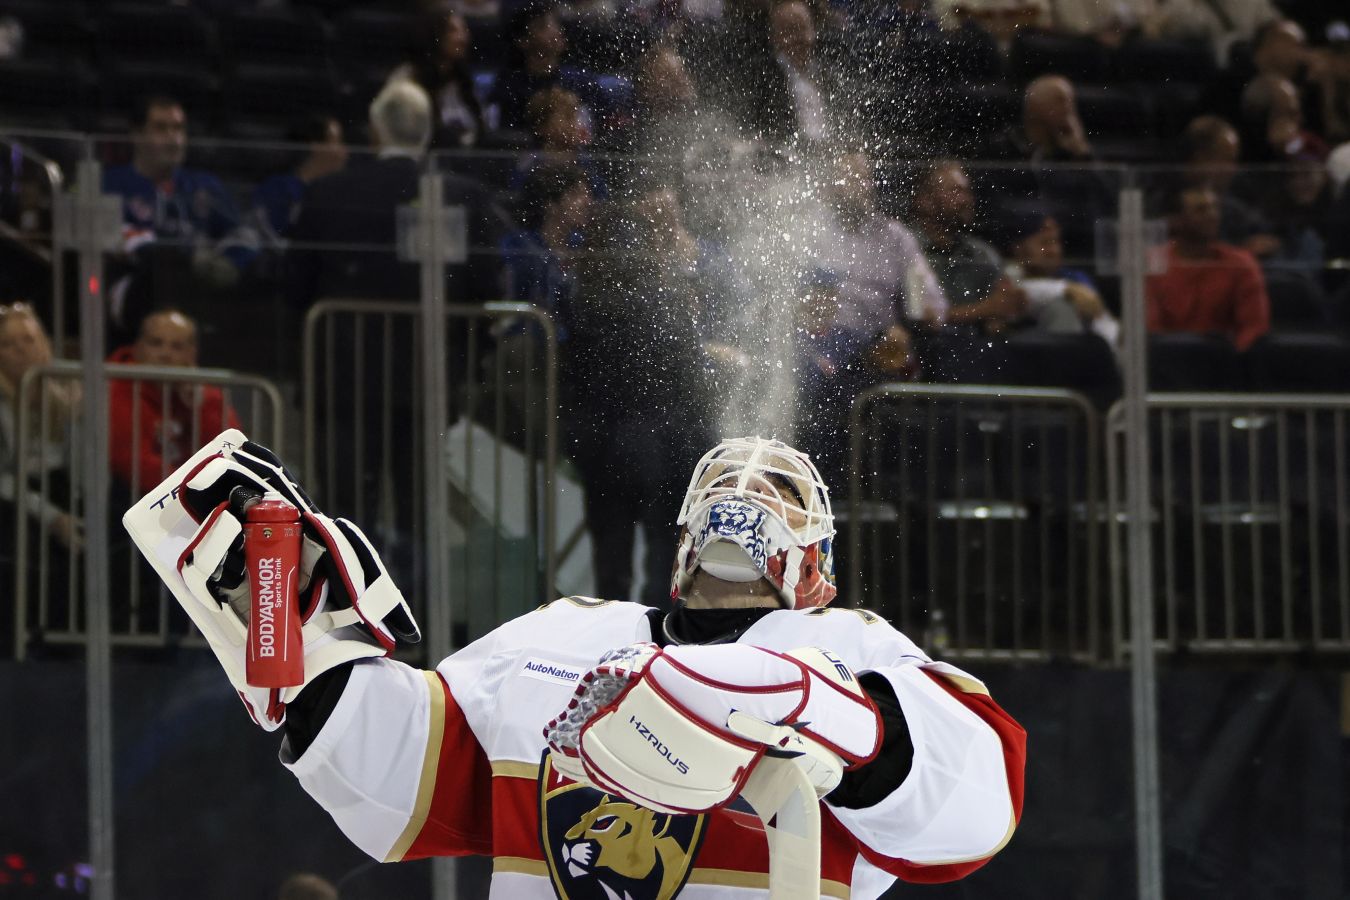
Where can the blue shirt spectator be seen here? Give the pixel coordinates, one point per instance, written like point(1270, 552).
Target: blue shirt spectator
point(537, 45)
point(555, 208)
point(277, 200)
point(163, 201)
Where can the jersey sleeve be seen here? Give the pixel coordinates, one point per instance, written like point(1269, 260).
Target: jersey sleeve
point(398, 768)
point(962, 797)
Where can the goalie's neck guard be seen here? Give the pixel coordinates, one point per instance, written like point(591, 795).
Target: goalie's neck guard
point(757, 508)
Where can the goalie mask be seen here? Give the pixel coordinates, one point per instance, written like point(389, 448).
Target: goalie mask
point(754, 509)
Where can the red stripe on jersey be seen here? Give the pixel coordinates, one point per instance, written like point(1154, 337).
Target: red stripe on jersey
point(459, 822)
point(515, 822)
point(1014, 739)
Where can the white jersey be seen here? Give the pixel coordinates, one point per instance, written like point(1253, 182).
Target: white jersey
point(413, 764)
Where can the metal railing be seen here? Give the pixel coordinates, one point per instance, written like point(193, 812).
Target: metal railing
point(973, 518)
point(1251, 521)
point(363, 430)
point(47, 483)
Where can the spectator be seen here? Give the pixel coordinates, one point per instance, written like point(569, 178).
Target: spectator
point(640, 380)
point(1055, 171)
point(279, 198)
point(883, 276)
point(180, 229)
point(556, 122)
point(441, 68)
point(1209, 286)
point(797, 101)
point(1333, 73)
point(23, 346)
point(537, 44)
point(1051, 128)
point(307, 886)
point(1280, 47)
point(1001, 19)
point(1272, 117)
point(1298, 202)
point(1212, 149)
point(173, 419)
point(1036, 264)
point(1220, 24)
point(539, 259)
point(358, 207)
point(666, 101)
point(1110, 22)
point(26, 209)
point(968, 270)
point(833, 366)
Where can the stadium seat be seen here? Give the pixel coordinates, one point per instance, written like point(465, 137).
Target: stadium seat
point(1193, 362)
point(1299, 363)
point(278, 94)
point(1114, 113)
point(970, 55)
point(274, 36)
point(45, 94)
point(1174, 104)
point(153, 34)
point(1296, 301)
point(125, 83)
point(1036, 53)
point(602, 47)
point(1078, 362)
point(1164, 62)
point(489, 46)
point(983, 109)
point(52, 31)
point(959, 356)
point(373, 39)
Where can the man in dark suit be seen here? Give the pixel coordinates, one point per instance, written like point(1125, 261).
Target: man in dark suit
point(343, 247)
point(344, 240)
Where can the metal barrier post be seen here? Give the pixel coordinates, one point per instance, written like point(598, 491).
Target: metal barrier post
point(1143, 682)
point(430, 252)
point(92, 242)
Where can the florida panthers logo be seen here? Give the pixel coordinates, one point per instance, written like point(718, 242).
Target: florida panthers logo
point(741, 522)
point(601, 847)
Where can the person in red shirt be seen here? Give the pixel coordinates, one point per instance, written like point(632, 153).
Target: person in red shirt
point(1209, 286)
point(155, 426)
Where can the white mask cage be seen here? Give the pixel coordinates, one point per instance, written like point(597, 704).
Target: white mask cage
point(770, 474)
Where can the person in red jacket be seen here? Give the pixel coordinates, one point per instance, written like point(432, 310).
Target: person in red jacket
point(154, 426)
point(1209, 286)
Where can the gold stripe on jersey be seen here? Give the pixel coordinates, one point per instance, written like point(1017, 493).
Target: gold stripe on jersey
point(758, 880)
point(510, 768)
point(426, 785)
point(520, 866)
point(964, 683)
point(1007, 836)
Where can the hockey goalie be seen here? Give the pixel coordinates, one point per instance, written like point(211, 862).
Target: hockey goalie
point(751, 741)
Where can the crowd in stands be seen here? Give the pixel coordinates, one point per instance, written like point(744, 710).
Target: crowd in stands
point(967, 153)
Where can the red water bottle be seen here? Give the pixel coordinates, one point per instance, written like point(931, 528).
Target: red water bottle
point(275, 655)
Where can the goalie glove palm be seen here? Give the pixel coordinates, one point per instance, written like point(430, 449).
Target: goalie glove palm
point(681, 729)
point(350, 607)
